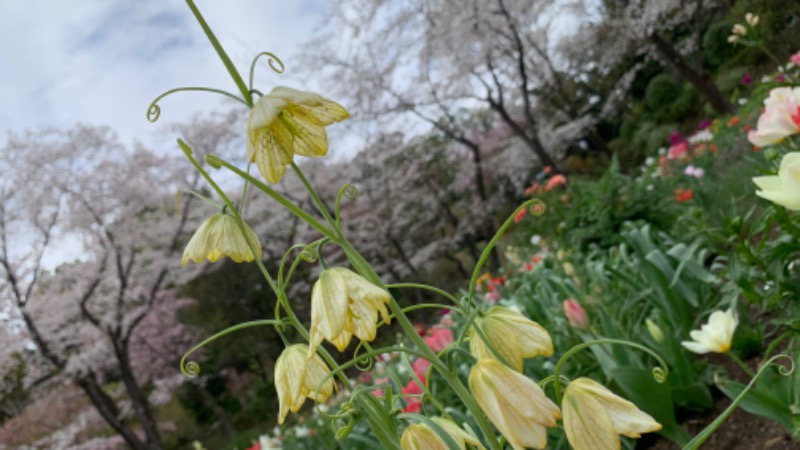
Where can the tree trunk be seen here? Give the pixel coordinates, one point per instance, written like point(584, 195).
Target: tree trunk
point(108, 410)
point(138, 399)
point(697, 78)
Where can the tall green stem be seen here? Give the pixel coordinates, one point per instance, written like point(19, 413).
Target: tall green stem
point(237, 78)
point(364, 268)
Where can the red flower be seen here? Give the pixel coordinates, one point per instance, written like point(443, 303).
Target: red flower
point(556, 181)
point(535, 188)
point(734, 121)
point(678, 151)
point(683, 195)
point(420, 367)
point(414, 406)
point(520, 215)
point(439, 339)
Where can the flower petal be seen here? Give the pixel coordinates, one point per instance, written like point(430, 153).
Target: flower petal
point(329, 308)
point(586, 422)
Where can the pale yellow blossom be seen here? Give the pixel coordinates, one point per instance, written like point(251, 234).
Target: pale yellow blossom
point(298, 376)
point(344, 304)
point(594, 417)
point(288, 122)
point(221, 236)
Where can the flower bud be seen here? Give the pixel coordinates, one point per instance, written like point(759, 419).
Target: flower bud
point(575, 313)
point(422, 437)
point(512, 335)
point(654, 330)
point(514, 404)
point(569, 269)
point(343, 304)
point(595, 416)
point(221, 236)
point(298, 377)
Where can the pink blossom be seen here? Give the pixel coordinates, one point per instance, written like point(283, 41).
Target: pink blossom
point(795, 59)
point(747, 79)
point(439, 339)
point(420, 367)
point(675, 138)
point(781, 117)
point(678, 151)
point(379, 382)
point(576, 315)
point(693, 171)
point(556, 181)
point(414, 406)
point(520, 215)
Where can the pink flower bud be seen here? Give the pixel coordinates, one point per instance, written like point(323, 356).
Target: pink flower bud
point(575, 313)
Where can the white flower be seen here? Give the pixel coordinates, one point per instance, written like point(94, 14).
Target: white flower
point(536, 239)
point(716, 335)
point(784, 188)
point(701, 136)
point(780, 118)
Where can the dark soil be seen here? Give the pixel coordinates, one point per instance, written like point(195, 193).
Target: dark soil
point(741, 430)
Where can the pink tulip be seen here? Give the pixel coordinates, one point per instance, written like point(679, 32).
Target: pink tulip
point(575, 313)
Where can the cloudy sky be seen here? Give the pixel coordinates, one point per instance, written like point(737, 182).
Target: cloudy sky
point(103, 61)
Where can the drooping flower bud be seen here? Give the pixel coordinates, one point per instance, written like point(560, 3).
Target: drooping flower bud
point(514, 403)
point(512, 335)
point(343, 304)
point(594, 417)
point(298, 376)
point(422, 437)
point(220, 236)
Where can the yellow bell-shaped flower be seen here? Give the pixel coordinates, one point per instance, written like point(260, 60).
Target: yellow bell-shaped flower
point(594, 417)
point(288, 122)
point(422, 437)
point(514, 403)
point(298, 376)
point(220, 236)
point(513, 335)
point(343, 304)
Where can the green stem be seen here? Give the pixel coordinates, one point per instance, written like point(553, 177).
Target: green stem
point(154, 111)
point(271, 58)
point(315, 198)
point(237, 78)
point(191, 369)
point(216, 161)
point(487, 251)
point(434, 289)
point(741, 364)
point(703, 435)
point(363, 267)
point(659, 373)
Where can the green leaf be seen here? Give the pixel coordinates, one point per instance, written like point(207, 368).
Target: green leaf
point(653, 398)
point(759, 402)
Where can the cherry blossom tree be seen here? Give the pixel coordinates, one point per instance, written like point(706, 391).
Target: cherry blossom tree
point(109, 213)
point(670, 31)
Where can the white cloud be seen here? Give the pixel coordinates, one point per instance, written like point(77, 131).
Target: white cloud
point(102, 62)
